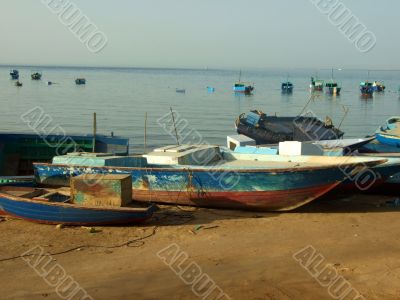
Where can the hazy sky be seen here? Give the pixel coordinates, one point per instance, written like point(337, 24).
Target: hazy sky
point(200, 33)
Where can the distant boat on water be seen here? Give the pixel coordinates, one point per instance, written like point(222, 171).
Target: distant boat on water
point(80, 81)
point(19, 84)
point(243, 87)
point(287, 86)
point(332, 87)
point(14, 74)
point(210, 89)
point(316, 85)
point(181, 91)
point(366, 89)
point(36, 76)
point(378, 86)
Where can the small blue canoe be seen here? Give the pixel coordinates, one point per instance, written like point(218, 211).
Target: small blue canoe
point(52, 206)
point(389, 134)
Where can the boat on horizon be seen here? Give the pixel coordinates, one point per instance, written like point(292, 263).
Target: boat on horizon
point(273, 129)
point(80, 81)
point(36, 75)
point(317, 85)
point(366, 89)
point(243, 87)
point(14, 74)
point(332, 87)
point(287, 87)
point(207, 176)
point(378, 86)
point(18, 83)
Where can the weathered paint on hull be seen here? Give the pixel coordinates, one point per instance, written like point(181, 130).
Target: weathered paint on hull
point(251, 189)
point(268, 200)
point(58, 213)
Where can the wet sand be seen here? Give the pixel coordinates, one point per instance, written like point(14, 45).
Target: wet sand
point(249, 255)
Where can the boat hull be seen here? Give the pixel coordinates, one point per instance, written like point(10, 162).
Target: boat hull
point(388, 140)
point(269, 190)
point(68, 214)
point(279, 129)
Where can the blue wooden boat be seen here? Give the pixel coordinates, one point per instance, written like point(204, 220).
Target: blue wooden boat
point(378, 86)
point(367, 180)
point(389, 134)
point(14, 74)
point(207, 176)
point(366, 89)
point(53, 207)
point(376, 147)
point(243, 87)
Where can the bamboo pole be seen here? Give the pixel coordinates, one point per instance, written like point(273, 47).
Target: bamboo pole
point(145, 133)
point(94, 132)
point(176, 132)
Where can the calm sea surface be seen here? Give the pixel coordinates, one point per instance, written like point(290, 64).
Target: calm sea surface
point(121, 97)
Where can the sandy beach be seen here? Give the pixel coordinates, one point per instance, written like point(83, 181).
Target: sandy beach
point(248, 255)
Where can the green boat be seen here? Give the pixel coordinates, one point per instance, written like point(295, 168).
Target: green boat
point(18, 151)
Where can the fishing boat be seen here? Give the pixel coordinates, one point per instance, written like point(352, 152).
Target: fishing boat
point(80, 81)
point(210, 89)
point(36, 76)
point(14, 74)
point(180, 91)
point(316, 85)
point(207, 176)
point(243, 87)
point(366, 88)
point(367, 180)
point(389, 134)
point(332, 88)
point(53, 206)
point(392, 183)
point(273, 129)
point(377, 147)
point(378, 86)
point(287, 87)
point(19, 150)
point(18, 83)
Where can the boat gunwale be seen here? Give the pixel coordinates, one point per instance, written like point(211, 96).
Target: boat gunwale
point(8, 196)
point(370, 163)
